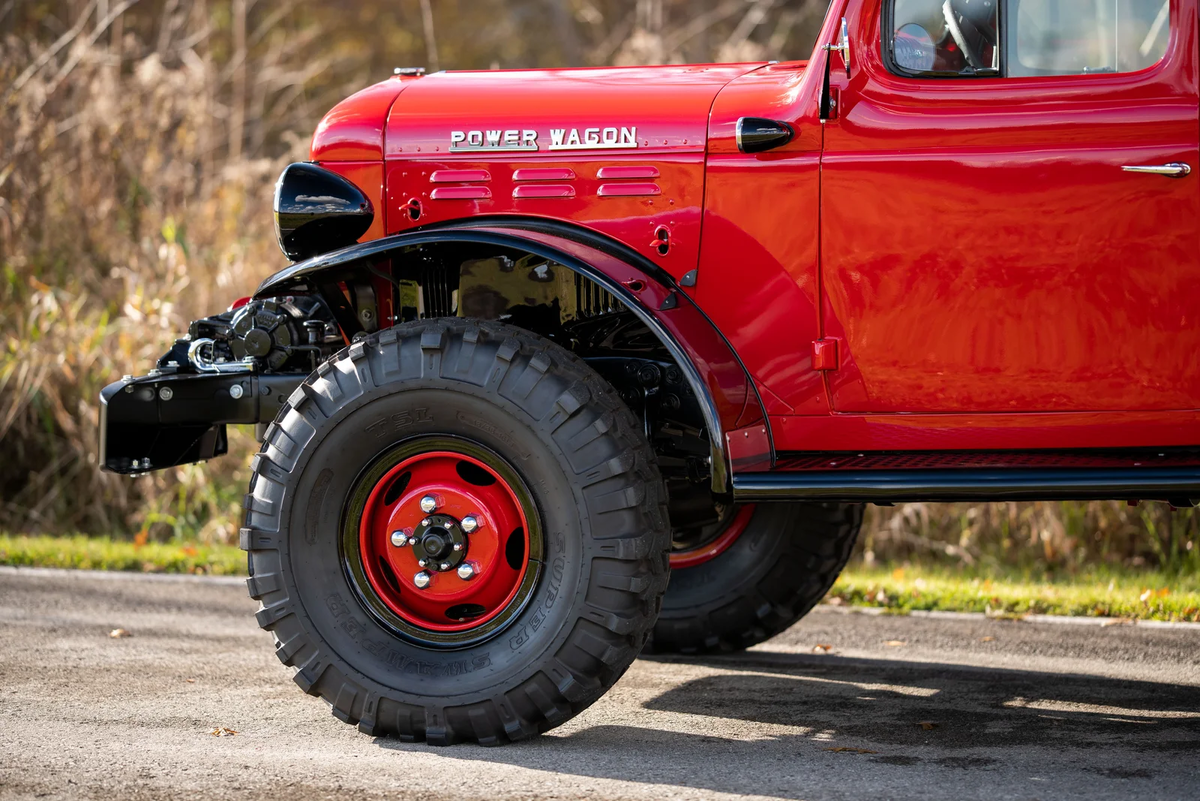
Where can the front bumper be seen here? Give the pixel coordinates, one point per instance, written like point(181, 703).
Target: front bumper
point(159, 420)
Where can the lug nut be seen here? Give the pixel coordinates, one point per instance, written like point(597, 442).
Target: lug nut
point(422, 562)
point(426, 522)
point(428, 504)
point(422, 579)
point(466, 571)
point(399, 539)
point(470, 523)
point(458, 546)
point(445, 565)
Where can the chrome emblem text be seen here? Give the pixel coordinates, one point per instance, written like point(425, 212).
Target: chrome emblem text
point(592, 138)
point(611, 138)
point(473, 141)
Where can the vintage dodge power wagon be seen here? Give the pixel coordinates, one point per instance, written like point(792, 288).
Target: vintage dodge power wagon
point(550, 337)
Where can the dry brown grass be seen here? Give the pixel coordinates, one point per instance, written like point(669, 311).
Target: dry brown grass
point(137, 152)
point(1053, 536)
point(124, 213)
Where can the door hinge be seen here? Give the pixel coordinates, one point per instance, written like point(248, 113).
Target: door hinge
point(825, 354)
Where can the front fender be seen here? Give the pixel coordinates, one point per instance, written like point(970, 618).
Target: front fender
point(739, 434)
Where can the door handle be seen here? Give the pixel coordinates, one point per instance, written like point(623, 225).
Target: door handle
point(1176, 169)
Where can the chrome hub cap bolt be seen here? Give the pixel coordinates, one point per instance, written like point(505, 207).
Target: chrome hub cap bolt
point(458, 546)
point(470, 523)
point(422, 579)
point(399, 539)
point(428, 504)
point(445, 566)
point(421, 562)
point(466, 571)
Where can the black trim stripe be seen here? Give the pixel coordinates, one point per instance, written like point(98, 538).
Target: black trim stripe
point(1150, 483)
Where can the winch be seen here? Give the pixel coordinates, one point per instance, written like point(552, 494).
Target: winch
point(283, 334)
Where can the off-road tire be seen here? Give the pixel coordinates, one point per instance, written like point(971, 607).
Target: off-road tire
point(771, 576)
point(589, 470)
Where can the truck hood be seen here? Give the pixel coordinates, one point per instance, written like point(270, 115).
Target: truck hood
point(538, 111)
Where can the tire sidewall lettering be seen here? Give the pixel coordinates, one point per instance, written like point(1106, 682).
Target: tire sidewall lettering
point(399, 422)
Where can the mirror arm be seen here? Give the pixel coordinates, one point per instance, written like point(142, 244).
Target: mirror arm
point(843, 46)
point(825, 99)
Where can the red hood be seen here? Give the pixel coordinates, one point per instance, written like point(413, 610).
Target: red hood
point(662, 108)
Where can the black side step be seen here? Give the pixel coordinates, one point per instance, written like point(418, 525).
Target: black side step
point(1176, 484)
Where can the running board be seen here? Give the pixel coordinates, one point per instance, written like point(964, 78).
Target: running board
point(1175, 484)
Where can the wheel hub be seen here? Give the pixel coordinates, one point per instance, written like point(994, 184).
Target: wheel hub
point(440, 542)
point(444, 541)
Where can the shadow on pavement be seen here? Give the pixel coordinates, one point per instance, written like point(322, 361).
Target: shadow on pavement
point(886, 702)
point(955, 720)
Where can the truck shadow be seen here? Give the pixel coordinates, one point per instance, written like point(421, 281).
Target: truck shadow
point(899, 703)
point(831, 719)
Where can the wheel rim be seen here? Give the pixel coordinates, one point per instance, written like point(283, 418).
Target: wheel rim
point(725, 535)
point(442, 541)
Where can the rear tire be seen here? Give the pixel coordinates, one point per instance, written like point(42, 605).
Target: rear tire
point(776, 570)
point(586, 583)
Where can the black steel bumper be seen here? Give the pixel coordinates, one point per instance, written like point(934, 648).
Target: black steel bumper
point(157, 421)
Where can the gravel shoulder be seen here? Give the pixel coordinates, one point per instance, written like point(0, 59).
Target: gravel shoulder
point(896, 707)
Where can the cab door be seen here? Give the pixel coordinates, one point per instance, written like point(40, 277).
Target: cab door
point(1010, 215)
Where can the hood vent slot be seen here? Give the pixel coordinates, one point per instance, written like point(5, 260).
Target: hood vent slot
point(628, 190)
point(544, 174)
point(460, 177)
point(628, 172)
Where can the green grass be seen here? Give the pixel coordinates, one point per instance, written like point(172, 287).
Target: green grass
point(103, 553)
point(1092, 592)
point(1089, 592)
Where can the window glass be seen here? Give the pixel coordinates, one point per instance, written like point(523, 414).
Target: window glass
point(946, 37)
point(1041, 37)
point(1079, 37)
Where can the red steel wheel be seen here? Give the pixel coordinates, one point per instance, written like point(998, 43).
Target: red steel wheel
point(715, 546)
point(484, 420)
point(444, 543)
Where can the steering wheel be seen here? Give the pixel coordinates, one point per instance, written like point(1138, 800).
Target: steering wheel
point(955, 29)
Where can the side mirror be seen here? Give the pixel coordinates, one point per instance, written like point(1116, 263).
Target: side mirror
point(842, 47)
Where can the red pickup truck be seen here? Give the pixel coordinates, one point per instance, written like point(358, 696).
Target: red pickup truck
point(550, 337)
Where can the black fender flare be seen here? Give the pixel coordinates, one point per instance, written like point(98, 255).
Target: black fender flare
point(738, 427)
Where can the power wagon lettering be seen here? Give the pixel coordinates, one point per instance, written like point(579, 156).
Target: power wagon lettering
point(610, 138)
point(474, 141)
point(593, 138)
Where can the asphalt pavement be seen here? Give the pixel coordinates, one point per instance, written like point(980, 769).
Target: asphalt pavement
point(843, 705)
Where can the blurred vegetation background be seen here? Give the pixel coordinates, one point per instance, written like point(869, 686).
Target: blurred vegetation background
point(139, 140)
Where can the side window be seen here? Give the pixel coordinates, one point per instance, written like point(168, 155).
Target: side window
point(1022, 38)
point(946, 37)
point(1080, 37)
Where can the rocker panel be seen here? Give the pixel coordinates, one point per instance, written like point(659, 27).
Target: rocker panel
point(1177, 484)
